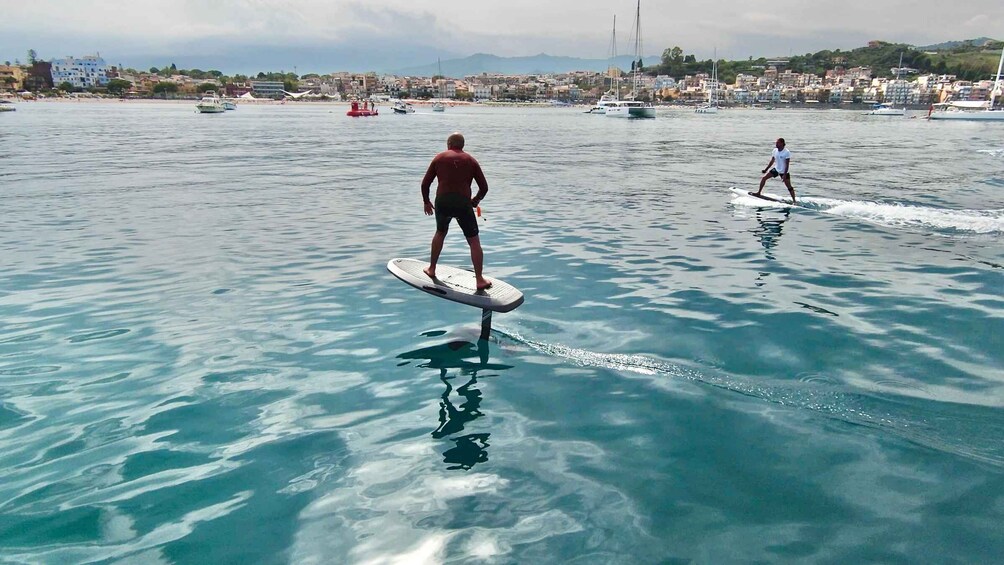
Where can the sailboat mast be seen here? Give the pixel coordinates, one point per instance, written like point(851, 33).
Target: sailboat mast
point(997, 81)
point(612, 69)
point(637, 48)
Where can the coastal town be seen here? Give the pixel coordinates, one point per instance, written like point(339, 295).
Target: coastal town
point(769, 84)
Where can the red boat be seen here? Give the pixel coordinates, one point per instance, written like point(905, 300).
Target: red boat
point(366, 110)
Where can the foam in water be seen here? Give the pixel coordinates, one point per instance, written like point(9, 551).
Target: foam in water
point(896, 215)
point(974, 221)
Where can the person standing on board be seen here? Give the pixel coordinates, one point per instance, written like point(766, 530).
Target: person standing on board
point(455, 171)
point(780, 159)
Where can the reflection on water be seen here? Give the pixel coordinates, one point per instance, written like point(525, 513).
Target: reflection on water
point(769, 230)
point(453, 361)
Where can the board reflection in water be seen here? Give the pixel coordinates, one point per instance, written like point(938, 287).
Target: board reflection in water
point(459, 361)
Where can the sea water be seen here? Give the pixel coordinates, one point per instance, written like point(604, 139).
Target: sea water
point(204, 360)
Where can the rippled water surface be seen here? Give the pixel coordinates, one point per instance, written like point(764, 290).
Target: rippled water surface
point(204, 360)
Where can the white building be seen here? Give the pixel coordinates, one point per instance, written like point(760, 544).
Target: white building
point(898, 92)
point(481, 91)
point(663, 81)
point(87, 72)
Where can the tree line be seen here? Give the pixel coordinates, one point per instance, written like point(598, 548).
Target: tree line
point(966, 61)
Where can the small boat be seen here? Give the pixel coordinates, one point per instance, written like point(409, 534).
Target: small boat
point(402, 107)
point(367, 109)
point(229, 104)
point(210, 104)
point(7, 106)
point(886, 110)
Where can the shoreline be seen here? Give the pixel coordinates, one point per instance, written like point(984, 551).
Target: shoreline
point(856, 107)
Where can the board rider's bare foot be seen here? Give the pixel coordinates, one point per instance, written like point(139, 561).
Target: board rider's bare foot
point(483, 284)
point(430, 272)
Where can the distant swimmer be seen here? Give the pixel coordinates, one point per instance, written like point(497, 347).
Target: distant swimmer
point(780, 159)
point(455, 171)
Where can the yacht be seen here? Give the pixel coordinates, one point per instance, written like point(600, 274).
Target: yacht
point(210, 104)
point(976, 110)
point(630, 107)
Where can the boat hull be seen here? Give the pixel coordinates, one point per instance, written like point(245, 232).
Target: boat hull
point(636, 112)
point(706, 110)
point(210, 108)
point(979, 116)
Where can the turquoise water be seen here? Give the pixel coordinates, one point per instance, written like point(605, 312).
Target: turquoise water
point(204, 360)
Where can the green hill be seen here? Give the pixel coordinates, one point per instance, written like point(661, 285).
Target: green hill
point(966, 60)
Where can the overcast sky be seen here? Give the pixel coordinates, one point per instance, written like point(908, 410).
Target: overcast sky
point(381, 31)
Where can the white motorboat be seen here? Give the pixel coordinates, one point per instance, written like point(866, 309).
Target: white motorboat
point(885, 110)
point(210, 104)
point(402, 107)
point(229, 104)
point(7, 106)
point(974, 110)
point(631, 107)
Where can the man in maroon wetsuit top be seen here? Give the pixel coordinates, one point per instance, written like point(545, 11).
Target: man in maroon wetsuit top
point(455, 171)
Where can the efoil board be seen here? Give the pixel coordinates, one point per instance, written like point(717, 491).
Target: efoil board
point(457, 285)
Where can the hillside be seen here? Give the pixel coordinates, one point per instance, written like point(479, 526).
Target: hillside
point(966, 61)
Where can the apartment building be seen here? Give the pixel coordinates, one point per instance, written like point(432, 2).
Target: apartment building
point(85, 72)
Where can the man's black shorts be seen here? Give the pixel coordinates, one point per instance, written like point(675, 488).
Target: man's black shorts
point(449, 206)
point(774, 174)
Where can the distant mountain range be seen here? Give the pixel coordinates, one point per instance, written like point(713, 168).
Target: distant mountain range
point(537, 64)
point(953, 44)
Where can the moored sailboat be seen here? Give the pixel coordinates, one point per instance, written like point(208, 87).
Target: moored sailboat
point(631, 107)
point(612, 95)
point(974, 110)
point(712, 106)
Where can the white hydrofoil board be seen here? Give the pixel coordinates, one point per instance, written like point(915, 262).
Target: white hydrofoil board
point(767, 197)
point(457, 285)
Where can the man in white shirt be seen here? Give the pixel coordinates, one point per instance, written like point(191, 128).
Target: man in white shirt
point(780, 159)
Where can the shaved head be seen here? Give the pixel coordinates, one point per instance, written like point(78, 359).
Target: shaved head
point(455, 141)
